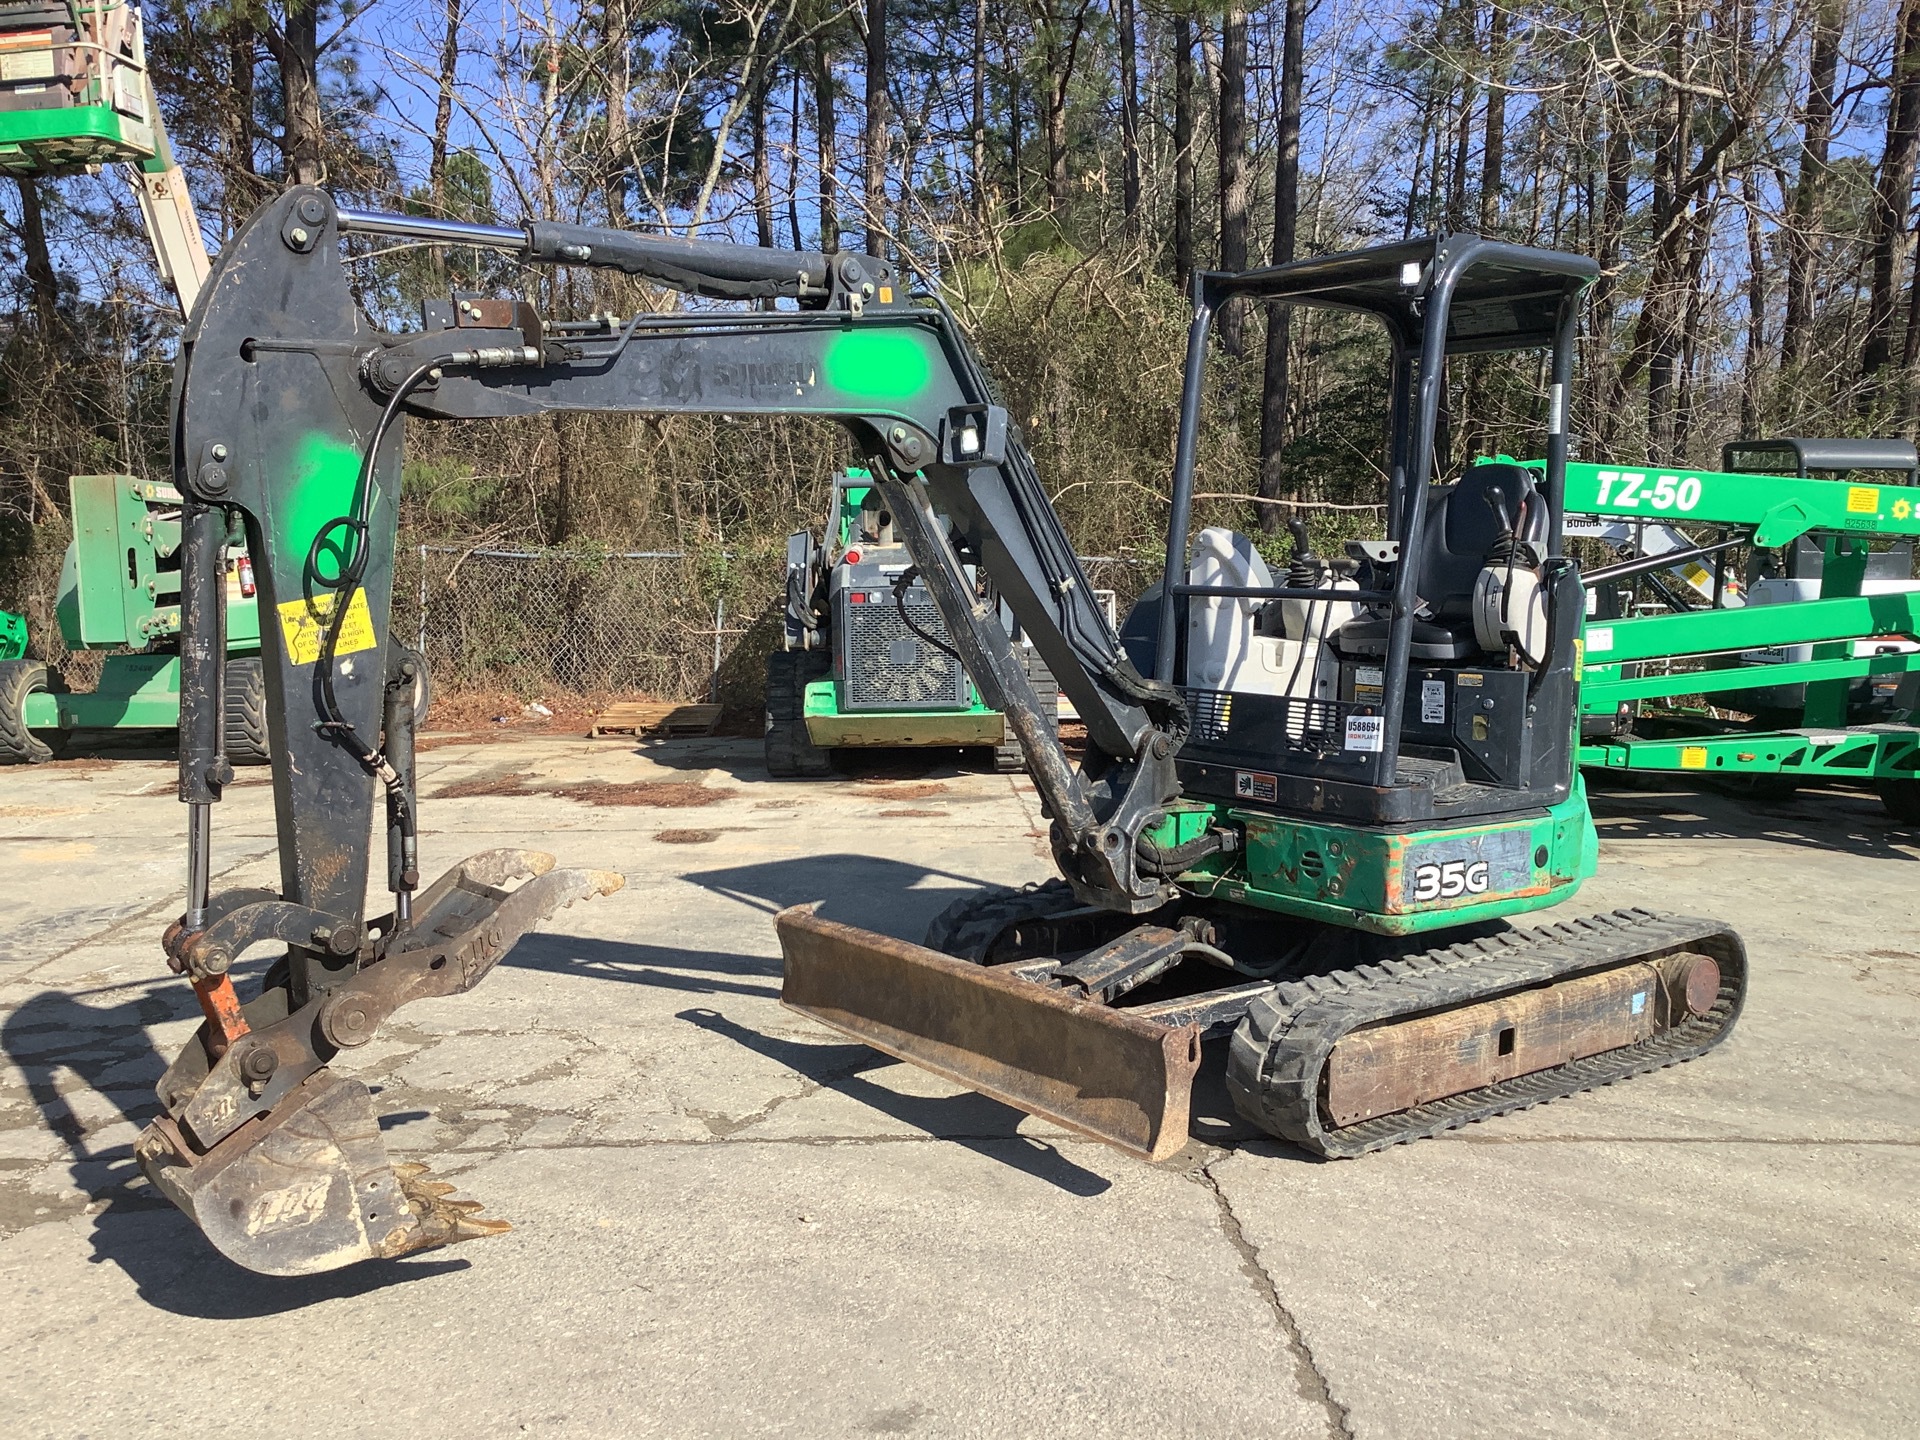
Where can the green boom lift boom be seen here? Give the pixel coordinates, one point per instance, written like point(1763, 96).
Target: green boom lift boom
point(1838, 644)
point(75, 94)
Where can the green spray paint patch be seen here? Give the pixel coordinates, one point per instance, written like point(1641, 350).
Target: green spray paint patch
point(325, 473)
point(878, 364)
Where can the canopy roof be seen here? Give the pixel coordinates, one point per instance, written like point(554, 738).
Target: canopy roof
point(1503, 297)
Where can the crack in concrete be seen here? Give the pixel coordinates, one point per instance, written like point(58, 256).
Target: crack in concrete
point(1308, 1378)
point(145, 915)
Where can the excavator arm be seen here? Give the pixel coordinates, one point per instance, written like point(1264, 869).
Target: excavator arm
point(289, 413)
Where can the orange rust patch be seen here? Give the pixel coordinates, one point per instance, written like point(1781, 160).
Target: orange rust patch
point(662, 794)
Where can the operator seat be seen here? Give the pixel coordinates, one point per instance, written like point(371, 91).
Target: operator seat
point(1460, 529)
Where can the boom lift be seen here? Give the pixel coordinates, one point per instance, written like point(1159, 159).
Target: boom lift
point(1823, 655)
point(75, 94)
point(1261, 837)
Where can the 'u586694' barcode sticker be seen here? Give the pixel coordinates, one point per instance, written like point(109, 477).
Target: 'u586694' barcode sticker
point(1366, 732)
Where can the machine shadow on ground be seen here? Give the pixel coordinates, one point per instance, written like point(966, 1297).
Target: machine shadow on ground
point(172, 1267)
point(1848, 822)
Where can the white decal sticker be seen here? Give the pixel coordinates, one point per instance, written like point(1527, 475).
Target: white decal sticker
point(1450, 879)
point(1599, 637)
point(299, 1204)
point(1433, 702)
point(1366, 732)
point(1256, 785)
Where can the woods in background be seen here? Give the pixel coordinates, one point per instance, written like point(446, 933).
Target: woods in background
point(1743, 171)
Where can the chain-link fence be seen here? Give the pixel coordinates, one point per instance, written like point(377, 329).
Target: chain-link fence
point(662, 623)
point(674, 625)
point(656, 622)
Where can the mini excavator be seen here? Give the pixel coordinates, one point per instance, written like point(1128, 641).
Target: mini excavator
point(1305, 809)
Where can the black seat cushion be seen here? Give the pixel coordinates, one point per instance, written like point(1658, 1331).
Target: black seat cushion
point(1460, 529)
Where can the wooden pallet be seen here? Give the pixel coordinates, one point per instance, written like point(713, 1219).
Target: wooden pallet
point(652, 717)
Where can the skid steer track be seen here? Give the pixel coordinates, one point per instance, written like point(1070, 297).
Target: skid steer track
point(1278, 1062)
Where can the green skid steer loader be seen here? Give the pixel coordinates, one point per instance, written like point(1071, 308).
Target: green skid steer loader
point(865, 660)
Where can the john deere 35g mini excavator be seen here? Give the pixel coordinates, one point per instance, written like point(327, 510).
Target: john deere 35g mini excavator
point(1267, 796)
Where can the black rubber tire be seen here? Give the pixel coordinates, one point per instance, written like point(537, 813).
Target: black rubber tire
point(791, 753)
point(243, 716)
point(1902, 799)
point(422, 689)
point(1007, 755)
point(18, 744)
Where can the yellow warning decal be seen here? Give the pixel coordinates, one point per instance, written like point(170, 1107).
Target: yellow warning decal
point(1863, 499)
point(1693, 757)
point(1579, 658)
point(304, 624)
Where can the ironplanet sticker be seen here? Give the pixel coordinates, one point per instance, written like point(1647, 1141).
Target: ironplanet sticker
point(1366, 732)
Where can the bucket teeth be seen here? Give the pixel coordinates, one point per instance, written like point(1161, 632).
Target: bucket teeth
point(440, 1221)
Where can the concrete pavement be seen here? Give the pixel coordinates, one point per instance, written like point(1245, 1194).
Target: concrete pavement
point(729, 1221)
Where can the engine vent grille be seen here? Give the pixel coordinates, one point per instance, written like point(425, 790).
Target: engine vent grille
point(888, 667)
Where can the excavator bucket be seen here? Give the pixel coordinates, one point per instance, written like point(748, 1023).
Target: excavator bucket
point(279, 1160)
point(1078, 1063)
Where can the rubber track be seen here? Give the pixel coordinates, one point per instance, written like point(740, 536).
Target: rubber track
point(970, 924)
point(1279, 1051)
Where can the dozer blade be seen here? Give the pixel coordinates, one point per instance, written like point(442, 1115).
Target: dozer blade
point(279, 1160)
point(1078, 1063)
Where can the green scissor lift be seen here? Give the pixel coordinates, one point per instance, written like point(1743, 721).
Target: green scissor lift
point(1639, 669)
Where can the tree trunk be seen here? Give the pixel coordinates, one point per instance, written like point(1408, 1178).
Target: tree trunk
point(1182, 148)
point(1493, 150)
point(296, 51)
point(823, 127)
point(1286, 224)
point(762, 158)
point(241, 189)
point(875, 190)
point(1062, 52)
point(1468, 24)
point(1235, 221)
point(1016, 179)
point(1892, 198)
point(1756, 313)
point(978, 121)
point(793, 165)
point(443, 110)
point(1125, 22)
point(1664, 281)
point(43, 283)
point(1804, 209)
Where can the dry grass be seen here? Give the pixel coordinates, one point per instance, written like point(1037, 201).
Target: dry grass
point(687, 837)
point(901, 790)
point(659, 794)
